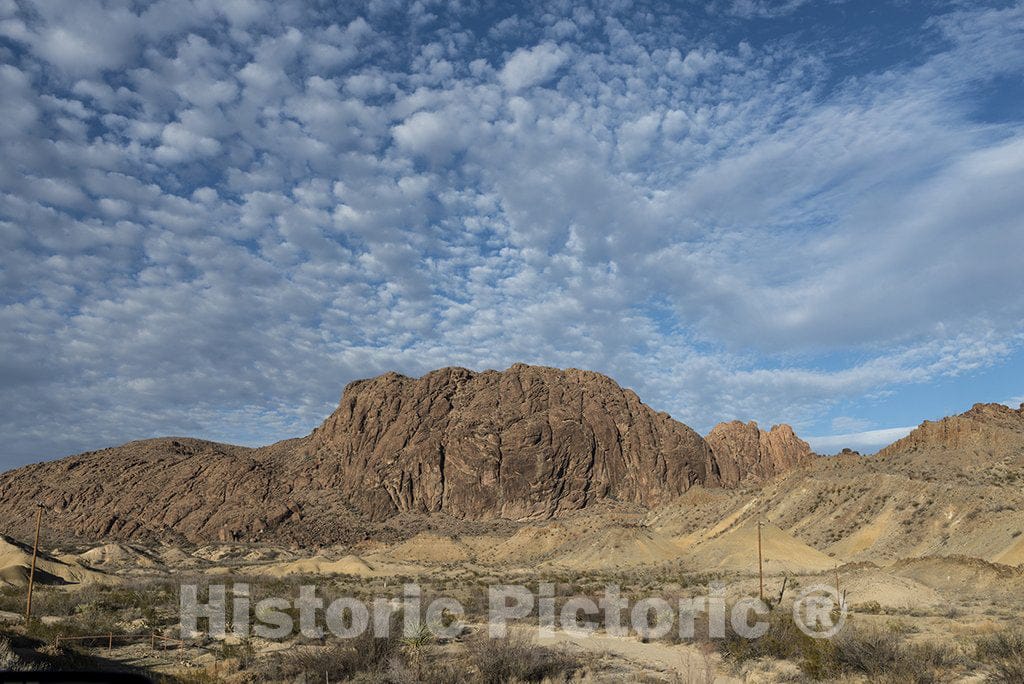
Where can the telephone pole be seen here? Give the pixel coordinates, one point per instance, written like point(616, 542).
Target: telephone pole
point(32, 569)
point(760, 559)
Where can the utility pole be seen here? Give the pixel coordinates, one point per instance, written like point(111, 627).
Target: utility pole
point(32, 570)
point(760, 559)
point(838, 595)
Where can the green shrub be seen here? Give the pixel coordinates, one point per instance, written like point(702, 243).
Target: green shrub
point(782, 641)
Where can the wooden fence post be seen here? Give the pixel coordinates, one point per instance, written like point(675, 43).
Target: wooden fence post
point(32, 571)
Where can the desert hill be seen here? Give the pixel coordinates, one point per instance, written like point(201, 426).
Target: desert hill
point(521, 464)
point(783, 553)
point(175, 489)
point(528, 443)
point(951, 488)
point(987, 430)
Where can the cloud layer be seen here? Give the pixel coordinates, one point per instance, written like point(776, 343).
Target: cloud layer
point(215, 214)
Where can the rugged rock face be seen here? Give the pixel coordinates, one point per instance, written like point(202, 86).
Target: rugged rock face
point(993, 429)
point(172, 488)
point(526, 443)
point(742, 451)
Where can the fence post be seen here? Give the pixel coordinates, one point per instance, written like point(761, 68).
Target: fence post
point(32, 571)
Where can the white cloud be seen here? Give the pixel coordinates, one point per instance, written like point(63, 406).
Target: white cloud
point(848, 424)
point(242, 13)
point(426, 133)
point(733, 231)
point(18, 109)
point(533, 66)
point(84, 37)
point(181, 144)
point(764, 8)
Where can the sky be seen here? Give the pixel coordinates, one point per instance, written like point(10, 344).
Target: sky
point(216, 213)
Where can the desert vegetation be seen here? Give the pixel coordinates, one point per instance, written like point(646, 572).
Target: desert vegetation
point(877, 644)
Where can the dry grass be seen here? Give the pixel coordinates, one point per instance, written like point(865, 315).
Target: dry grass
point(365, 654)
point(879, 655)
point(1003, 654)
point(393, 660)
point(11, 661)
point(887, 657)
point(517, 658)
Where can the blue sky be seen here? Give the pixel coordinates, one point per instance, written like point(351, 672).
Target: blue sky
point(214, 214)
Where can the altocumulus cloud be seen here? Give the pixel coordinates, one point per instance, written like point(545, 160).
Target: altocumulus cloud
point(215, 214)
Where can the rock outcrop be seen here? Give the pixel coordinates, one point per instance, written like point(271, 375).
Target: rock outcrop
point(994, 429)
point(743, 452)
point(526, 443)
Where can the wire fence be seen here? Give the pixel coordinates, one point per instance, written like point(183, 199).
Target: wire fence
point(110, 639)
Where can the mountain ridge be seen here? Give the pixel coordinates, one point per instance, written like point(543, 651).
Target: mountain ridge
point(527, 443)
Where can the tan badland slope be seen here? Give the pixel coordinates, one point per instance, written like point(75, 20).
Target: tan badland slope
point(320, 565)
point(616, 547)
point(430, 547)
point(16, 561)
point(736, 551)
point(607, 540)
point(114, 555)
point(968, 577)
point(932, 581)
point(598, 538)
point(888, 590)
point(1012, 554)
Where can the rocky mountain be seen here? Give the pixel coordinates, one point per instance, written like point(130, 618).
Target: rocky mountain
point(987, 428)
point(529, 442)
point(525, 443)
point(170, 488)
point(743, 451)
point(461, 450)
